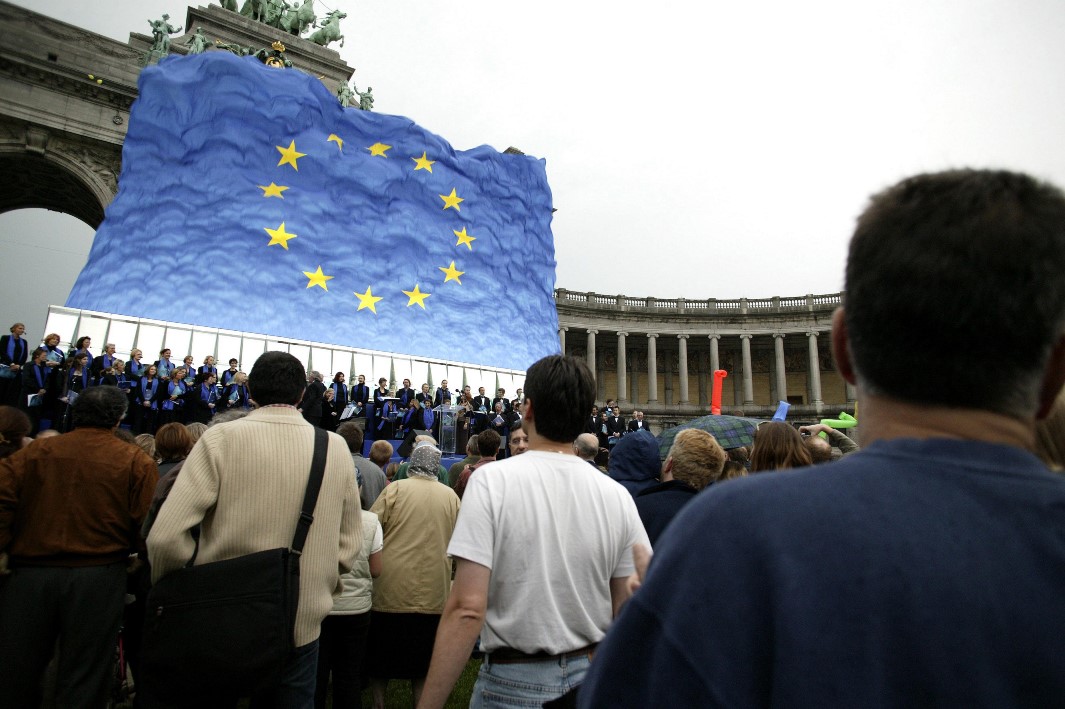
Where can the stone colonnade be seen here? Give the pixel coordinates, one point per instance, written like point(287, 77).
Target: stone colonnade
point(660, 355)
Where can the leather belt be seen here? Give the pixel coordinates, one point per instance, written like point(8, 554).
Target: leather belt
point(510, 656)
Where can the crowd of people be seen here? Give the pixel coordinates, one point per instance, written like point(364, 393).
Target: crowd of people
point(583, 565)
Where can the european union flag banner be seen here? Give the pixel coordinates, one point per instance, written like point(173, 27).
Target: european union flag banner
point(250, 200)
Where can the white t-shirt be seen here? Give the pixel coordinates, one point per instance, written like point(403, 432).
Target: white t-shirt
point(554, 531)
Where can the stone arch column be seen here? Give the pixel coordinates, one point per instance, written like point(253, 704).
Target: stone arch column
point(652, 368)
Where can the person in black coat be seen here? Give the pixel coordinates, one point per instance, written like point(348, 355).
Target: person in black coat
point(637, 423)
point(311, 406)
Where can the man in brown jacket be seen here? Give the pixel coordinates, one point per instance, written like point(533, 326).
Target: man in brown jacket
point(71, 509)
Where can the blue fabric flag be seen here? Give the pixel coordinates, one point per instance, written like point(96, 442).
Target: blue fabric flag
point(250, 200)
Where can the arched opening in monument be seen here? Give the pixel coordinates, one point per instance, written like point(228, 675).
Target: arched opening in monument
point(36, 181)
point(41, 254)
point(48, 218)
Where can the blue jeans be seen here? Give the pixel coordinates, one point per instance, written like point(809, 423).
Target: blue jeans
point(526, 684)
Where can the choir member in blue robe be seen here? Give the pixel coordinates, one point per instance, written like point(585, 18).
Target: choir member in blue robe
point(115, 376)
point(163, 365)
point(13, 355)
point(360, 394)
point(190, 373)
point(81, 346)
point(146, 399)
point(104, 361)
point(77, 381)
point(227, 375)
point(336, 400)
point(380, 425)
point(207, 368)
point(413, 420)
point(135, 369)
point(235, 395)
point(405, 395)
point(443, 394)
point(203, 400)
point(172, 399)
point(35, 383)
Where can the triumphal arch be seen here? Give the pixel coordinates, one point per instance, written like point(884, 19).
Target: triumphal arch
point(66, 92)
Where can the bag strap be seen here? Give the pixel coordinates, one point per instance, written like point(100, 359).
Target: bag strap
point(314, 485)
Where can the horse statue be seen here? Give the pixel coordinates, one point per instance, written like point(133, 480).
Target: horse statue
point(255, 9)
point(330, 30)
point(300, 17)
point(230, 5)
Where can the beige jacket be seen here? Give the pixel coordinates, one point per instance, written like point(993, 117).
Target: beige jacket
point(244, 483)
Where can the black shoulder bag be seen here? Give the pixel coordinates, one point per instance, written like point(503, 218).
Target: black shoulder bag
point(228, 626)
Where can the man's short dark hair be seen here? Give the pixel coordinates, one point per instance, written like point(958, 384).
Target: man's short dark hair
point(488, 443)
point(277, 378)
point(955, 290)
point(352, 435)
point(99, 407)
point(562, 390)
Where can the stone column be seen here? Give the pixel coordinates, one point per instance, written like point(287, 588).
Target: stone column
point(591, 350)
point(715, 359)
point(748, 377)
point(852, 393)
point(652, 369)
point(622, 368)
point(682, 343)
point(562, 338)
point(782, 376)
point(815, 372)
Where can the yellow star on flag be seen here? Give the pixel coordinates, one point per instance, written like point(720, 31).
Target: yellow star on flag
point(289, 155)
point(368, 300)
point(423, 163)
point(273, 190)
point(317, 278)
point(334, 138)
point(279, 236)
point(416, 296)
point(452, 273)
point(379, 149)
point(452, 200)
point(464, 238)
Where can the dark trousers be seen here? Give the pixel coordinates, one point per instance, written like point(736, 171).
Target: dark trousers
point(341, 649)
point(82, 609)
point(293, 689)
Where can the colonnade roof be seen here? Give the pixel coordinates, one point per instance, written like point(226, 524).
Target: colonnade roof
point(683, 316)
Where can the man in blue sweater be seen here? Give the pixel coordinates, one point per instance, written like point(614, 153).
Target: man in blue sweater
point(927, 569)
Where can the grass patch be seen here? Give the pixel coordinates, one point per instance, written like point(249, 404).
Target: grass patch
point(398, 695)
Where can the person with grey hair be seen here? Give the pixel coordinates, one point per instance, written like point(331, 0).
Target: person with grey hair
point(926, 569)
point(586, 446)
point(417, 515)
point(71, 508)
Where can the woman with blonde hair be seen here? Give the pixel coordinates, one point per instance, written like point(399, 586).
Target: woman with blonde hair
point(778, 446)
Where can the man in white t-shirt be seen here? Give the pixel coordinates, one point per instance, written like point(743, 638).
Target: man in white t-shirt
point(543, 550)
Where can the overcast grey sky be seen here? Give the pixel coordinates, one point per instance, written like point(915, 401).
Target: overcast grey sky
point(693, 149)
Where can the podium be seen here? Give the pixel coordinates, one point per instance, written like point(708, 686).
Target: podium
point(446, 419)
